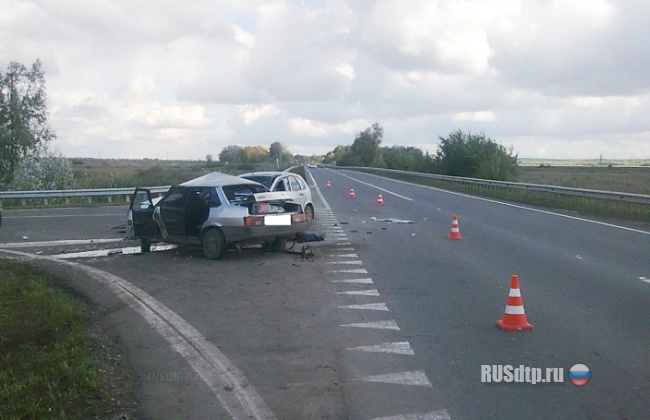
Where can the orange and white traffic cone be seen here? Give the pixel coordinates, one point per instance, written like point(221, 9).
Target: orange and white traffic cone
point(455, 230)
point(328, 185)
point(352, 195)
point(514, 318)
point(380, 200)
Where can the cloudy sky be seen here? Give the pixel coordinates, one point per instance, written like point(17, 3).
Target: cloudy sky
point(174, 79)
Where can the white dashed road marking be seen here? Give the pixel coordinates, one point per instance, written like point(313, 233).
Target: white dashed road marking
point(393, 348)
point(431, 415)
point(372, 292)
point(367, 306)
point(354, 281)
point(416, 378)
point(351, 271)
point(411, 378)
point(378, 325)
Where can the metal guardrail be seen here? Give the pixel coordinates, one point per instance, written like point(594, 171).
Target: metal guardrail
point(67, 194)
point(481, 183)
point(487, 184)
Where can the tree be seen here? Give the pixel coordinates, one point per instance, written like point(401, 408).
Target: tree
point(475, 156)
point(337, 156)
point(255, 154)
point(407, 159)
point(42, 169)
point(365, 150)
point(278, 154)
point(23, 116)
point(231, 154)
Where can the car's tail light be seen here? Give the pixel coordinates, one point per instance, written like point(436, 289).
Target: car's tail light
point(298, 218)
point(250, 221)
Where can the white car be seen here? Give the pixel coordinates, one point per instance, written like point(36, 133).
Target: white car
point(295, 185)
point(216, 211)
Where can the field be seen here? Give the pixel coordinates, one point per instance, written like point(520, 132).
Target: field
point(621, 176)
point(618, 178)
point(629, 177)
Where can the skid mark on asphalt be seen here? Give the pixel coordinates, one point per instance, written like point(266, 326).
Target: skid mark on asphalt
point(344, 255)
point(240, 399)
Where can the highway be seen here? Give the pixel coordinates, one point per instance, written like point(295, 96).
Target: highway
point(581, 284)
point(391, 319)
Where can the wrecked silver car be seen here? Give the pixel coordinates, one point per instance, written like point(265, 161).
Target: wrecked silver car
point(216, 211)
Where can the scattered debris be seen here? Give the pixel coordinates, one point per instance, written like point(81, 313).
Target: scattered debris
point(308, 237)
point(308, 252)
point(25, 238)
point(398, 221)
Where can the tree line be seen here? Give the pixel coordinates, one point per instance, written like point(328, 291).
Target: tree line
point(459, 154)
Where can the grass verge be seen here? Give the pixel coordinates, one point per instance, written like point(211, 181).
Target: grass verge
point(53, 358)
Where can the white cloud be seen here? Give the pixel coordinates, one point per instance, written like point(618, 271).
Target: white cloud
point(559, 78)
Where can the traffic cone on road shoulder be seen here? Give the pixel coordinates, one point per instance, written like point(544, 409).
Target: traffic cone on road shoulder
point(352, 195)
point(455, 230)
point(328, 185)
point(380, 200)
point(514, 318)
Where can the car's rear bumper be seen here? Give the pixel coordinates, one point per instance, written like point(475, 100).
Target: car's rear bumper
point(235, 234)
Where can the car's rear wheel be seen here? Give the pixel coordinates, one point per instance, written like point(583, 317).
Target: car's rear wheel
point(309, 211)
point(277, 245)
point(145, 245)
point(214, 245)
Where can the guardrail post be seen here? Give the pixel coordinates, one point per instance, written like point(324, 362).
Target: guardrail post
point(22, 202)
point(67, 200)
point(45, 201)
point(90, 200)
point(110, 198)
point(127, 198)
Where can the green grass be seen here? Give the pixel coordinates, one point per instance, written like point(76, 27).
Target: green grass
point(47, 368)
point(634, 180)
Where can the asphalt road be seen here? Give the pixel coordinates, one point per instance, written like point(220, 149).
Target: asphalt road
point(582, 284)
point(389, 320)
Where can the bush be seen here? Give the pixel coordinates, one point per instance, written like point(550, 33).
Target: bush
point(475, 156)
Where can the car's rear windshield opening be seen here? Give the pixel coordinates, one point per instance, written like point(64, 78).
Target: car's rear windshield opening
point(242, 194)
point(267, 181)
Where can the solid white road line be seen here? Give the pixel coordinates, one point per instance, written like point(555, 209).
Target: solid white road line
point(60, 243)
point(375, 186)
point(566, 216)
point(216, 370)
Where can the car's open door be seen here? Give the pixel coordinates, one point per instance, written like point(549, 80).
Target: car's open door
point(139, 220)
